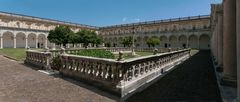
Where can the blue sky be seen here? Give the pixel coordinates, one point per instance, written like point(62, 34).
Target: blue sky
point(107, 12)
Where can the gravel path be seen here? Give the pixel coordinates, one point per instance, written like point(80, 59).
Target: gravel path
point(19, 83)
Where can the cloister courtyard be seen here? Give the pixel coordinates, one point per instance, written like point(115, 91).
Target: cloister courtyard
point(186, 58)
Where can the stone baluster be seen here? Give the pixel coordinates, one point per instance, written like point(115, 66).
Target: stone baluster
point(133, 71)
point(48, 59)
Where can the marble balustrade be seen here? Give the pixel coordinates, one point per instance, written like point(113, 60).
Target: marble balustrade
point(120, 77)
point(38, 59)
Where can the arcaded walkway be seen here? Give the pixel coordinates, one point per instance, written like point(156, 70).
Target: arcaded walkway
point(19, 83)
point(192, 81)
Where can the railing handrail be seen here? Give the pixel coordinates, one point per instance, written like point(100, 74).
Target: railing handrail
point(123, 61)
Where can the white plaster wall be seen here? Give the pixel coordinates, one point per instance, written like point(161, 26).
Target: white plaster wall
point(182, 40)
point(41, 40)
point(193, 42)
point(173, 41)
point(163, 41)
point(7, 40)
point(204, 42)
point(31, 40)
point(20, 40)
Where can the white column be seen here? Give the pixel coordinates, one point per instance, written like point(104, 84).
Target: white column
point(1, 40)
point(53, 46)
point(68, 45)
point(238, 48)
point(36, 43)
point(74, 45)
point(80, 45)
point(45, 44)
point(229, 42)
point(26, 42)
point(14, 42)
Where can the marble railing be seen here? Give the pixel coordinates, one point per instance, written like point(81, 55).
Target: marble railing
point(38, 59)
point(118, 49)
point(111, 49)
point(121, 77)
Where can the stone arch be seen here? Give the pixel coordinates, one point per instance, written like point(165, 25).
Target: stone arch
point(173, 41)
point(145, 40)
point(110, 41)
point(139, 41)
point(182, 41)
point(41, 40)
point(8, 39)
point(115, 42)
point(120, 39)
point(20, 40)
point(204, 41)
point(32, 40)
point(193, 41)
point(163, 41)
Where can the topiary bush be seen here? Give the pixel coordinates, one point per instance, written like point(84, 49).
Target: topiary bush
point(96, 53)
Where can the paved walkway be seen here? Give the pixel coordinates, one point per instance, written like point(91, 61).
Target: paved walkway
point(19, 83)
point(192, 81)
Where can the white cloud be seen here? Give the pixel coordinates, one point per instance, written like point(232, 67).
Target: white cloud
point(137, 19)
point(124, 19)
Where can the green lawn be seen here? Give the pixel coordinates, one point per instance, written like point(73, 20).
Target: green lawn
point(18, 54)
point(193, 52)
point(139, 54)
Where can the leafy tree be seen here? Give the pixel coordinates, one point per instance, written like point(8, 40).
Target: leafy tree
point(88, 36)
point(60, 35)
point(153, 41)
point(73, 38)
point(127, 41)
point(64, 35)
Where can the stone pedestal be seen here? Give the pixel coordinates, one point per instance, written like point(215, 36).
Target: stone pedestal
point(229, 43)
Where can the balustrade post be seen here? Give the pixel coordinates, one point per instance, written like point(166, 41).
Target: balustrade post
point(1, 42)
point(62, 50)
point(48, 59)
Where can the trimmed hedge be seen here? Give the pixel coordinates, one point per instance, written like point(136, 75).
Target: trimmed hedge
point(96, 53)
